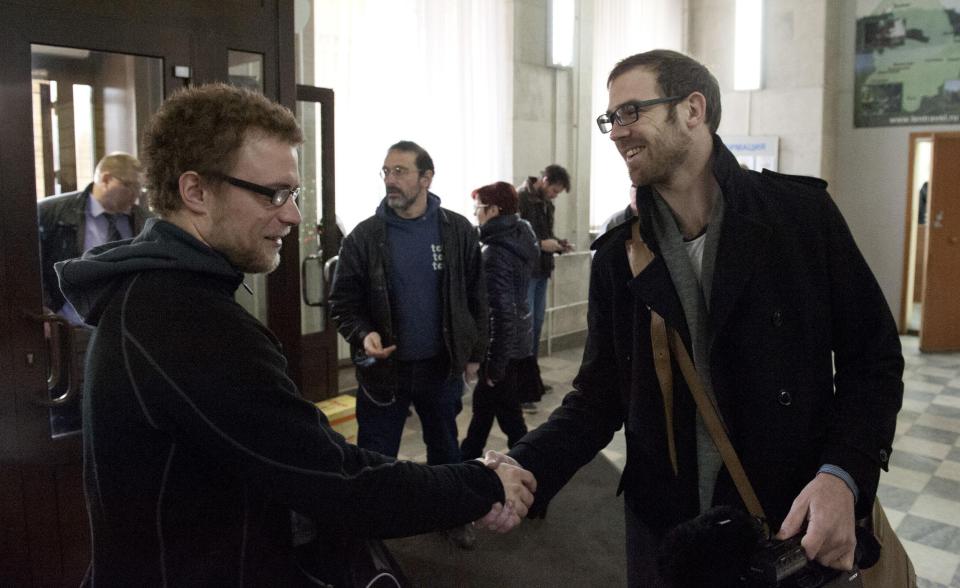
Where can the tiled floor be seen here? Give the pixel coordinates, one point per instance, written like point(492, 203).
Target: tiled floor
point(921, 492)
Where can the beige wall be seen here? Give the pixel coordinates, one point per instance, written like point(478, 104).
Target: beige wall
point(551, 124)
point(870, 177)
point(806, 101)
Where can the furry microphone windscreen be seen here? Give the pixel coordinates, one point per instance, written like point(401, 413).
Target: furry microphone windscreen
point(713, 549)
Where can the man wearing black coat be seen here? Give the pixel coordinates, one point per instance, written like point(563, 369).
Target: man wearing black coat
point(788, 329)
point(409, 298)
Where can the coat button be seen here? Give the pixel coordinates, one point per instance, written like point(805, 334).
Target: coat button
point(777, 318)
point(883, 456)
point(784, 398)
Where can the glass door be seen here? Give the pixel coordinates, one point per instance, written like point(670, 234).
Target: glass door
point(86, 104)
point(320, 237)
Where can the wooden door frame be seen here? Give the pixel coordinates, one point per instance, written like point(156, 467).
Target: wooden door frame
point(908, 224)
point(910, 220)
point(320, 374)
point(939, 309)
point(194, 34)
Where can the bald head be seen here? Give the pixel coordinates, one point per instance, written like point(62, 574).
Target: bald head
point(116, 182)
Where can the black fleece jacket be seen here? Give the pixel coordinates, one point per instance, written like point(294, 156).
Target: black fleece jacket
point(198, 447)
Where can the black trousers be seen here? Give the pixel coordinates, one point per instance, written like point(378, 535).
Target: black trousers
point(501, 402)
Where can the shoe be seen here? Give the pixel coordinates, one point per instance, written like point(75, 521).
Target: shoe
point(463, 537)
point(529, 407)
point(547, 388)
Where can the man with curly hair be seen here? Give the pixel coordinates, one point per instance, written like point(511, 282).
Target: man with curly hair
point(202, 463)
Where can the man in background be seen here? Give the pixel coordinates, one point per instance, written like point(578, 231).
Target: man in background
point(409, 298)
point(70, 224)
point(536, 207)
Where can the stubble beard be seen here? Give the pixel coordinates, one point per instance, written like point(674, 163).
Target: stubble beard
point(664, 157)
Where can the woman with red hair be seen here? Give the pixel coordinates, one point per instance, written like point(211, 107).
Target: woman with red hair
point(509, 249)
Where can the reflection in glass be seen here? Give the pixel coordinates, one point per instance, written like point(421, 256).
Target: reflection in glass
point(311, 203)
point(245, 70)
point(86, 104)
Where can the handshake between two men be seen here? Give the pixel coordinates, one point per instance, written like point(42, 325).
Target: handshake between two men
point(518, 488)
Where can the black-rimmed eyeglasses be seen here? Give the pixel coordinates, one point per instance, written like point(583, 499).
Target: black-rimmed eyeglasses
point(629, 113)
point(277, 196)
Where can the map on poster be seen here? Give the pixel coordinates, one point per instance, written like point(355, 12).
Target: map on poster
point(907, 68)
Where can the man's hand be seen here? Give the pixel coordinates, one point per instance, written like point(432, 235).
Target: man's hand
point(551, 246)
point(518, 488)
point(373, 347)
point(827, 504)
point(470, 372)
point(566, 246)
point(492, 459)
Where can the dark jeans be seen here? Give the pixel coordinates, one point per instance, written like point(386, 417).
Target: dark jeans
point(435, 395)
point(499, 401)
point(537, 302)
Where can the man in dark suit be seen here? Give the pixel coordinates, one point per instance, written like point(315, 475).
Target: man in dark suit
point(70, 224)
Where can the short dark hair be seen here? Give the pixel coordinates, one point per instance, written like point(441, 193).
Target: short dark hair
point(556, 174)
point(677, 75)
point(500, 194)
point(424, 161)
point(201, 129)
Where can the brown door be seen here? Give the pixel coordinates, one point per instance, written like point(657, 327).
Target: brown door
point(940, 324)
point(111, 64)
point(320, 239)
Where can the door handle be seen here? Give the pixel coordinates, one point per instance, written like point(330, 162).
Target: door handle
point(60, 339)
point(313, 287)
point(329, 268)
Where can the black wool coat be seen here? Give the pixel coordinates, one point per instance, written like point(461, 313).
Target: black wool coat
point(805, 361)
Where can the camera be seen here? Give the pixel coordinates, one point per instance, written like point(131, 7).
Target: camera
point(726, 548)
point(784, 564)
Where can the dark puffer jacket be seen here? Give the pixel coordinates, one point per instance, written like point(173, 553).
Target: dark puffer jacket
point(509, 253)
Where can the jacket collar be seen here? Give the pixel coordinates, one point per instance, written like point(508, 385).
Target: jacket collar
point(743, 237)
point(75, 212)
point(741, 249)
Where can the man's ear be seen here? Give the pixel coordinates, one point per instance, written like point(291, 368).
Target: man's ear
point(696, 109)
point(428, 178)
point(193, 193)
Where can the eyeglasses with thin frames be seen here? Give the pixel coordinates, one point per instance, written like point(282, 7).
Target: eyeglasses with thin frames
point(278, 196)
point(629, 113)
point(478, 207)
point(397, 171)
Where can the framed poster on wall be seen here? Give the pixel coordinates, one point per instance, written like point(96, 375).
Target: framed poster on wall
point(907, 66)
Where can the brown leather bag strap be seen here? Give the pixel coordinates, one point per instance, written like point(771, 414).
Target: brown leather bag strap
point(661, 363)
point(715, 427)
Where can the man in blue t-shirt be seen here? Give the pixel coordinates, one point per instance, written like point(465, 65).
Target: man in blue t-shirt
point(409, 298)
